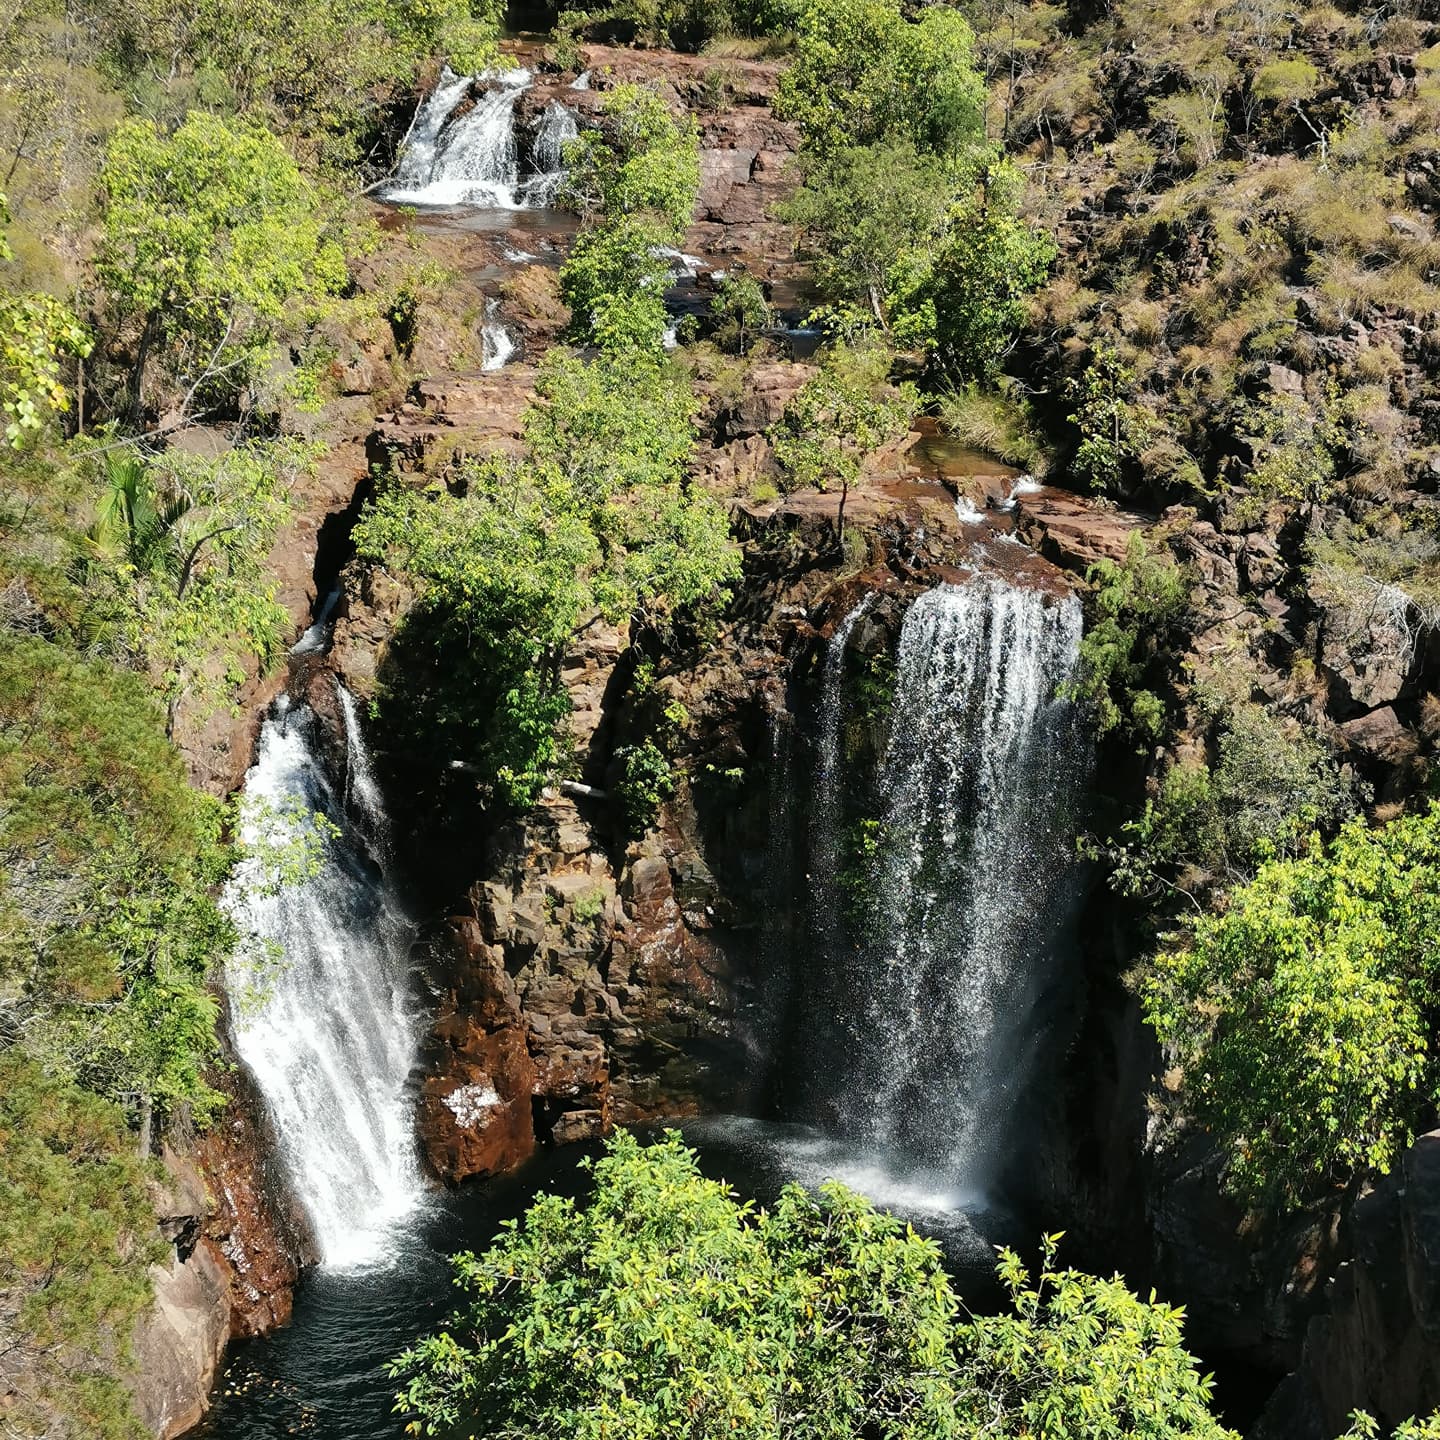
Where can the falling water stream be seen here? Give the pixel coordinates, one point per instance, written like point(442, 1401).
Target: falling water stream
point(323, 1010)
point(982, 761)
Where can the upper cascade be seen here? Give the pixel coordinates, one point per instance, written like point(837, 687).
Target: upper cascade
point(328, 1026)
point(466, 151)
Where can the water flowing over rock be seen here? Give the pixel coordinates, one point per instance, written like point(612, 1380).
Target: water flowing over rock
point(556, 126)
point(329, 1030)
point(464, 156)
point(971, 886)
point(498, 343)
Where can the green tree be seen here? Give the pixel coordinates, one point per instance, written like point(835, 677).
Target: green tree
point(176, 565)
point(964, 300)
point(864, 73)
point(1136, 604)
point(741, 311)
point(634, 180)
point(37, 332)
point(1114, 429)
point(856, 250)
point(1301, 1016)
point(77, 1234)
point(1081, 1358)
point(667, 1308)
point(596, 519)
point(210, 234)
point(108, 867)
point(835, 420)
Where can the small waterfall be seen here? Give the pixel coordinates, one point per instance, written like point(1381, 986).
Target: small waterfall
point(328, 1031)
point(362, 790)
point(553, 130)
point(468, 158)
point(825, 802)
point(417, 152)
point(497, 344)
point(973, 880)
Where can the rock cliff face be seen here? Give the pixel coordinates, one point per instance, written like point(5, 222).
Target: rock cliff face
point(239, 1245)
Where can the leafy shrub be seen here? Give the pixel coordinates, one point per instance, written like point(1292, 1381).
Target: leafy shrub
point(595, 519)
point(1271, 787)
point(77, 1235)
point(742, 312)
point(647, 781)
point(665, 1307)
point(1299, 1016)
point(1136, 605)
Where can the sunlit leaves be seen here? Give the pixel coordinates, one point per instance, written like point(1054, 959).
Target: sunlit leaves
point(1300, 1015)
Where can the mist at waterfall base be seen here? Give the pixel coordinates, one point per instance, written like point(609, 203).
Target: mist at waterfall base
point(906, 1061)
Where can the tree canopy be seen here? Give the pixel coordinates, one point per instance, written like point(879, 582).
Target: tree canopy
point(1302, 1015)
point(597, 518)
point(666, 1307)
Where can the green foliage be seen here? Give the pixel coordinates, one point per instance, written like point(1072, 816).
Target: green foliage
point(863, 73)
point(681, 24)
point(1084, 1359)
point(209, 235)
point(1292, 78)
point(326, 72)
point(596, 519)
point(741, 311)
point(1113, 428)
point(1136, 603)
point(647, 780)
point(840, 416)
point(109, 863)
point(856, 250)
point(1270, 788)
point(77, 1233)
point(937, 254)
point(964, 300)
point(635, 180)
point(36, 332)
point(175, 565)
point(641, 161)
point(1364, 1427)
point(667, 1308)
point(1300, 1017)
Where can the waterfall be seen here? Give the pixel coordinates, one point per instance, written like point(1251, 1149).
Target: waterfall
point(497, 344)
point(466, 158)
point(417, 153)
point(327, 1028)
point(362, 791)
point(553, 130)
point(825, 803)
point(973, 881)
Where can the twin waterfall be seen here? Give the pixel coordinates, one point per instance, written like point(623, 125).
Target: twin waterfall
point(464, 151)
point(322, 1009)
point(922, 1017)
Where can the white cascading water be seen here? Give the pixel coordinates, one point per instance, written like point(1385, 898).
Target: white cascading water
point(328, 1029)
point(974, 878)
point(555, 128)
point(497, 344)
point(464, 159)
